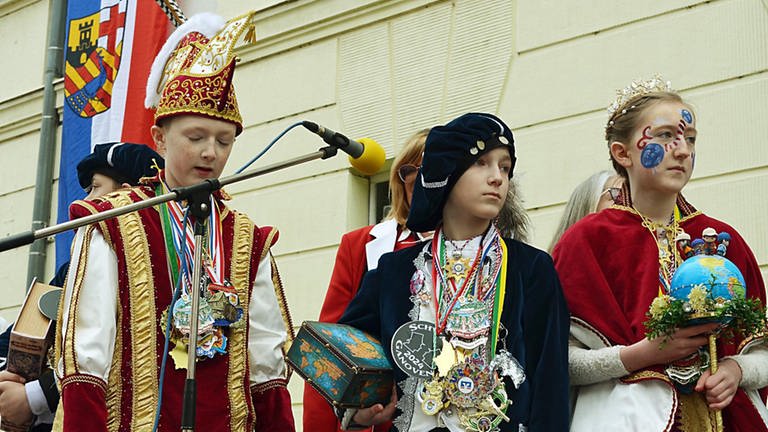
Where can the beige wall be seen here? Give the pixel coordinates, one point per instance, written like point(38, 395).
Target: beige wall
point(386, 68)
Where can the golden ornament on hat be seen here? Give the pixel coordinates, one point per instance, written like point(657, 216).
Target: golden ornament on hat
point(196, 77)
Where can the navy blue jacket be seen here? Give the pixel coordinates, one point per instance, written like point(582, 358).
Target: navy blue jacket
point(535, 315)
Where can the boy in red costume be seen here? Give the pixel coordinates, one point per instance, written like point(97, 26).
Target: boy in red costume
point(112, 330)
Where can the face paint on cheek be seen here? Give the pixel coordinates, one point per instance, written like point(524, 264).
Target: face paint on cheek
point(693, 161)
point(652, 155)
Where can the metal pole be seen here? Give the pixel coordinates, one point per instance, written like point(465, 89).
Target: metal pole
point(41, 213)
point(25, 238)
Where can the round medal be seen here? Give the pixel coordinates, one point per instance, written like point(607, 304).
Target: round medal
point(431, 406)
point(431, 396)
point(468, 384)
point(413, 348)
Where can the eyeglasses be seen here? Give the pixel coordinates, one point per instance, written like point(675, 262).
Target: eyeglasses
point(614, 193)
point(407, 173)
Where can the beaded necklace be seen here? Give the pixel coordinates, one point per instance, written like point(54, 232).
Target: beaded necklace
point(484, 283)
point(664, 235)
point(445, 292)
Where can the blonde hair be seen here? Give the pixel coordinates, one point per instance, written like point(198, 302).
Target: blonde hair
point(513, 220)
point(625, 119)
point(583, 201)
point(411, 153)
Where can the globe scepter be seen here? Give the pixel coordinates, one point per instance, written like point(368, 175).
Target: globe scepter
point(706, 288)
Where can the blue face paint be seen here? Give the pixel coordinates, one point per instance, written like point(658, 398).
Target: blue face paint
point(652, 155)
point(687, 116)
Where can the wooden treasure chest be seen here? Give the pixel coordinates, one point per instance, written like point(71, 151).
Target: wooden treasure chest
point(345, 365)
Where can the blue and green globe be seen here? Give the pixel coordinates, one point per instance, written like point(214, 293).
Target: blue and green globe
point(719, 276)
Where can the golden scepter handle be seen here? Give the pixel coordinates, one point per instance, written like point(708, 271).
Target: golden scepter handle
point(713, 369)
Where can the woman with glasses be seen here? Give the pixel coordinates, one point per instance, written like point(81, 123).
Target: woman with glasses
point(359, 252)
point(596, 193)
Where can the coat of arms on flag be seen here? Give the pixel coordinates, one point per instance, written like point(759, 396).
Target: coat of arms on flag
point(94, 46)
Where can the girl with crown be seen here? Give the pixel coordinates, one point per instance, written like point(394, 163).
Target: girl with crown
point(475, 324)
point(614, 263)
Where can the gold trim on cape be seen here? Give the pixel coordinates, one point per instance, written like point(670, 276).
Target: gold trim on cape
point(141, 297)
point(239, 276)
point(67, 353)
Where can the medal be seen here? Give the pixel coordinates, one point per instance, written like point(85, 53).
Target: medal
point(219, 305)
point(489, 413)
point(431, 397)
point(456, 268)
point(413, 348)
point(468, 384)
point(419, 293)
point(469, 323)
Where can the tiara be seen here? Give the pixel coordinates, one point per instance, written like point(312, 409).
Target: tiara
point(636, 88)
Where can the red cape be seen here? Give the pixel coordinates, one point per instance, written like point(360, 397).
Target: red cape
point(609, 268)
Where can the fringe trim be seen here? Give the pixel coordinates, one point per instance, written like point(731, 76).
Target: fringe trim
point(115, 379)
point(239, 273)
point(269, 385)
point(84, 379)
point(284, 312)
point(143, 318)
point(67, 351)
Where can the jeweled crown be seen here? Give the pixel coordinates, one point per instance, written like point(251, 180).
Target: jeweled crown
point(636, 88)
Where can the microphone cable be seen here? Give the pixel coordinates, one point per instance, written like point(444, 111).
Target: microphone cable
point(177, 289)
point(268, 147)
point(176, 293)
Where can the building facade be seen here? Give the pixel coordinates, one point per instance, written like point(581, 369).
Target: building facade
point(386, 68)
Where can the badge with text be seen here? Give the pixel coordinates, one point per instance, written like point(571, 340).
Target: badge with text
point(413, 348)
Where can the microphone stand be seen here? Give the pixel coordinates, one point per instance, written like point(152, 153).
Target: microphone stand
point(177, 194)
point(198, 196)
point(199, 206)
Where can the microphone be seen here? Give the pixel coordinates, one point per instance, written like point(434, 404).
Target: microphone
point(366, 154)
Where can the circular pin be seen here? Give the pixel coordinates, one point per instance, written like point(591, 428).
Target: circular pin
point(49, 303)
point(466, 385)
point(458, 267)
point(413, 348)
point(481, 145)
point(504, 140)
point(431, 406)
point(473, 150)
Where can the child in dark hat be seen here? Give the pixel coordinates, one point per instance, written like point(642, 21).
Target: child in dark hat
point(108, 168)
point(116, 165)
point(495, 351)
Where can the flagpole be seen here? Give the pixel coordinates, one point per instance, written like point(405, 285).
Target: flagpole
point(41, 212)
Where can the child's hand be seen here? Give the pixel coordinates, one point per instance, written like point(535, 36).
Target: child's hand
point(681, 344)
point(378, 413)
point(720, 387)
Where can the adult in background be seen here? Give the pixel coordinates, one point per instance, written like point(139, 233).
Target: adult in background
point(596, 193)
point(359, 252)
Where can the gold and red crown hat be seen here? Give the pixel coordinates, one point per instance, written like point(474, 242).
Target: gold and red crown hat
point(193, 72)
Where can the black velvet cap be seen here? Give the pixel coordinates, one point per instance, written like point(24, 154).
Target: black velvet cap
point(448, 152)
point(123, 162)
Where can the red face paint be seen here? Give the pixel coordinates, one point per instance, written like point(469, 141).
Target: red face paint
point(643, 141)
